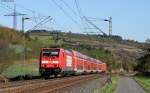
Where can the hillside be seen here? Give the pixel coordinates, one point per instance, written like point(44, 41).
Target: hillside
point(8, 37)
point(115, 51)
point(124, 51)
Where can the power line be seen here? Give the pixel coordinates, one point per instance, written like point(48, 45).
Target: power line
point(58, 25)
point(5, 8)
point(34, 14)
point(44, 23)
point(47, 19)
point(69, 7)
point(94, 25)
point(80, 13)
point(78, 7)
point(18, 5)
point(66, 13)
point(14, 14)
point(32, 11)
point(96, 19)
point(79, 10)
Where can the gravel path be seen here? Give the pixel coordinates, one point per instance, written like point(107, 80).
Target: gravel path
point(128, 85)
point(87, 87)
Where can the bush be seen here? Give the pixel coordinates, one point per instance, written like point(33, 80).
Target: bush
point(7, 56)
point(144, 64)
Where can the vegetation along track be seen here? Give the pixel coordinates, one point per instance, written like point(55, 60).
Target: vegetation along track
point(48, 85)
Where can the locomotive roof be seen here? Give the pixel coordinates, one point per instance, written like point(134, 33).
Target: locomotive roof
point(78, 54)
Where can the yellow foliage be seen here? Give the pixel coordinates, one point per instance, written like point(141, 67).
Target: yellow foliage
point(10, 36)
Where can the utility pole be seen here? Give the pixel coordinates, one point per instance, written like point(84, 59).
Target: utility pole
point(23, 19)
point(14, 14)
point(110, 25)
point(14, 17)
point(24, 55)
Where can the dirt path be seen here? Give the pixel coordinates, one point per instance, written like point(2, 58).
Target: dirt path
point(128, 85)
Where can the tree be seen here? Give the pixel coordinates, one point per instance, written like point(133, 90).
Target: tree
point(6, 58)
point(144, 63)
point(147, 41)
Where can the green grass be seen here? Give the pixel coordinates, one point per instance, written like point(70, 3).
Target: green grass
point(17, 69)
point(144, 82)
point(109, 88)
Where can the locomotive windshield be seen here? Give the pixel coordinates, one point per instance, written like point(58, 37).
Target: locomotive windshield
point(50, 52)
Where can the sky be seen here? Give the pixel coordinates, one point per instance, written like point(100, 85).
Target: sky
point(130, 18)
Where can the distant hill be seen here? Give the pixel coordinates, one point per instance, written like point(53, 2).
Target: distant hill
point(125, 51)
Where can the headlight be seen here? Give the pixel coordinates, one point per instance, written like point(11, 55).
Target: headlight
point(55, 61)
point(44, 61)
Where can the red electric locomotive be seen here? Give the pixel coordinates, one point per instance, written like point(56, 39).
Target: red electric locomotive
point(54, 61)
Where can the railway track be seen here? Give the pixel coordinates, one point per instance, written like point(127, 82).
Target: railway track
point(47, 86)
point(19, 83)
point(24, 82)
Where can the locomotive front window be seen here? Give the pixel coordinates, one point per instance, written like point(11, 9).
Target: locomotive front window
point(49, 53)
point(54, 52)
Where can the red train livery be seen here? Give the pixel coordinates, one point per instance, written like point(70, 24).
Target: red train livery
point(54, 61)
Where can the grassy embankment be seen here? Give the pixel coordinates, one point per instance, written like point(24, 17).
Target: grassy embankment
point(29, 68)
point(144, 82)
point(109, 87)
point(12, 53)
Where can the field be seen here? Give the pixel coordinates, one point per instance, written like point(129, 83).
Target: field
point(144, 82)
point(109, 87)
point(29, 68)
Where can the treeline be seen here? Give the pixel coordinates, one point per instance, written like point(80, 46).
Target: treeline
point(8, 37)
point(143, 65)
point(97, 37)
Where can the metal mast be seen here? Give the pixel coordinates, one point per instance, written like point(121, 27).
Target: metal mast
point(14, 14)
point(14, 17)
point(110, 26)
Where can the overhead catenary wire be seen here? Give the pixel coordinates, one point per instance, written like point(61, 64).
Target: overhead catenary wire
point(69, 7)
point(44, 23)
point(58, 25)
point(86, 19)
point(65, 12)
point(5, 8)
point(80, 13)
point(78, 7)
point(41, 22)
point(75, 12)
point(34, 13)
point(96, 19)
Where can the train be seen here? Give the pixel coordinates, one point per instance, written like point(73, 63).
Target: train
point(55, 61)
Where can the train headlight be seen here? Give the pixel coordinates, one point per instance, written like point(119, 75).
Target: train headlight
point(55, 61)
point(44, 61)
